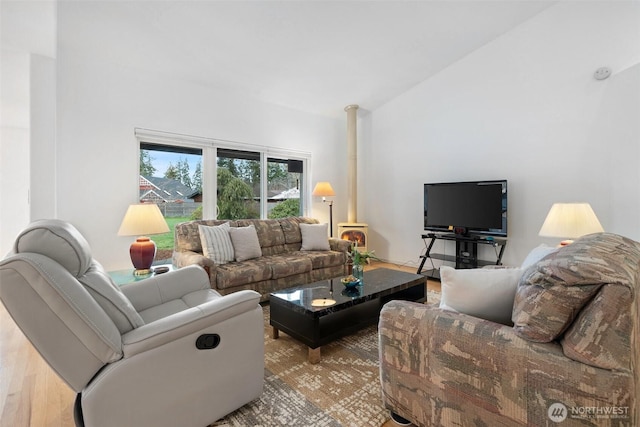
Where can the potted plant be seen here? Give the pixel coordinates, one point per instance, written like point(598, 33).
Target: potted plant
point(358, 259)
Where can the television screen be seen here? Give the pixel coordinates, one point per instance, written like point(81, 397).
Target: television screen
point(478, 207)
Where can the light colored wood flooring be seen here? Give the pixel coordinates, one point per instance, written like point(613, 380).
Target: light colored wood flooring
point(32, 394)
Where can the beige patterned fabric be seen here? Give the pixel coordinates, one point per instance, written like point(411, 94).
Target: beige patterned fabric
point(554, 290)
point(441, 368)
point(282, 264)
point(604, 340)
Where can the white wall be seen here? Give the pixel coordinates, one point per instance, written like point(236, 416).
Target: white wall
point(99, 105)
point(526, 108)
point(14, 146)
point(27, 112)
point(43, 195)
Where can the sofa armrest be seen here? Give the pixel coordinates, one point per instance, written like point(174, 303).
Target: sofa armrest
point(432, 359)
point(185, 258)
point(184, 323)
point(339, 245)
point(166, 287)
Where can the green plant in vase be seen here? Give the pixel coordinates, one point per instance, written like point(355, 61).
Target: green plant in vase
point(358, 259)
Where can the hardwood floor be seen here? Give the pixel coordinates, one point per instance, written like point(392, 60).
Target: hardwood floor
point(32, 394)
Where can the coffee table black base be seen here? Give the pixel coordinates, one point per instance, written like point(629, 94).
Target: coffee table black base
point(318, 328)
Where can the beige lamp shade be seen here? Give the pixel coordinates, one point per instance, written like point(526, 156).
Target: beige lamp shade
point(323, 189)
point(143, 219)
point(570, 220)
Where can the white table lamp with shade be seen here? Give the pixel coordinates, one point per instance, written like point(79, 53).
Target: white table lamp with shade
point(143, 219)
point(570, 221)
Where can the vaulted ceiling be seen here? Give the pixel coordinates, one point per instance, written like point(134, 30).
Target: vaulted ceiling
point(314, 56)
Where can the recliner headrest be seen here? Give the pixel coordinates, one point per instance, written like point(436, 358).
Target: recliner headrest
point(59, 241)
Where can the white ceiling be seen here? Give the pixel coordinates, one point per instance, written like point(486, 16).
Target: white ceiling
point(314, 56)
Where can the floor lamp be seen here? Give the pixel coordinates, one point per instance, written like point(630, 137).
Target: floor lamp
point(324, 190)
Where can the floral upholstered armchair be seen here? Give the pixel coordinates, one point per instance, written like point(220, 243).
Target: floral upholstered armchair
point(569, 358)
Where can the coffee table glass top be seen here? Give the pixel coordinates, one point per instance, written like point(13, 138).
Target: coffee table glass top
point(331, 295)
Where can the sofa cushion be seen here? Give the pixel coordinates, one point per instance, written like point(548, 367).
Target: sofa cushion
point(245, 243)
point(291, 230)
point(110, 297)
point(287, 265)
point(314, 237)
point(486, 293)
point(552, 292)
point(240, 273)
point(324, 259)
point(269, 233)
point(216, 243)
point(187, 234)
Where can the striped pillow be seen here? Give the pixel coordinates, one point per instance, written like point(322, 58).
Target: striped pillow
point(216, 243)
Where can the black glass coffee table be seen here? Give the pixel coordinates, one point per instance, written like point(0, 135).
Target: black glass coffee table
point(320, 312)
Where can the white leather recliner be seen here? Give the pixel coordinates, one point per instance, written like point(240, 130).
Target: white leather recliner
point(165, 351)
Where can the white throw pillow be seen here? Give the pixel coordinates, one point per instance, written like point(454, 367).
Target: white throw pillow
point(216, 243)
point(487, 293)
point(245, 242)
point(537, 254)
point(314, 237)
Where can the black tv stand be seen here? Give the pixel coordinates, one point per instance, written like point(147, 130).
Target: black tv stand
point(466, 255)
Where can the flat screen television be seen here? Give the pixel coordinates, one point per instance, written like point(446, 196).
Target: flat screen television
point(466, 208)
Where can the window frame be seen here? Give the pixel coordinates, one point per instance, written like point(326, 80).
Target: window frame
point(209, 147)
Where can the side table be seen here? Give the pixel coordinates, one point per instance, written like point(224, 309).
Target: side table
point(123, 277)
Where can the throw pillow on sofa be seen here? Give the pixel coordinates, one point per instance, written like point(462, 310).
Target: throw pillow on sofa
point(486, 293)
point(216, 243)
point(553, 291)
point(245, 242)
point(537, 254)
point(314, 237)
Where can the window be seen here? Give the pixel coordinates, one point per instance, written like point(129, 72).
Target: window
point(238, 184)
point(171, 177)
point(208, 178)
point(284, 181)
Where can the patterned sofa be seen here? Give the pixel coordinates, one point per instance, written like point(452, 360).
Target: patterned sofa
point(570, 358)
point(282, 264)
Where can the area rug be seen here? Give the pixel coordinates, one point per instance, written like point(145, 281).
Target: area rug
point(342, 390)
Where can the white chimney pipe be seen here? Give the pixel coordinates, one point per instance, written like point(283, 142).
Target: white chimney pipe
point(352, 163)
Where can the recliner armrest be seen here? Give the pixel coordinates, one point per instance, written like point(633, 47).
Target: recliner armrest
point(166, 287)
point(175, 326)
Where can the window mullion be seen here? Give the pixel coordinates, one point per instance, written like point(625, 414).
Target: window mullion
point(263, 185)
point(209, 183)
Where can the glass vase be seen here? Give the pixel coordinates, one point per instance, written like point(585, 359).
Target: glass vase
point(358, 271)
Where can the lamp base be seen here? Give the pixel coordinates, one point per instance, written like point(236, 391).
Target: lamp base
point(141, 273)
point(143, 252)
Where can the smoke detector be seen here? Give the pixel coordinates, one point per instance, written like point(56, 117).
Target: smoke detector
point(602, 73)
